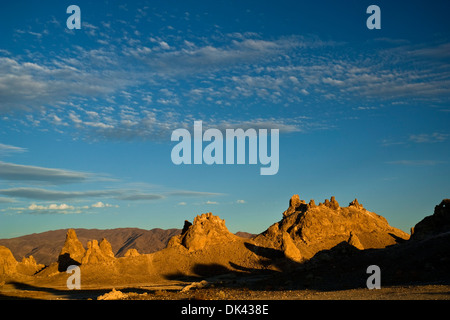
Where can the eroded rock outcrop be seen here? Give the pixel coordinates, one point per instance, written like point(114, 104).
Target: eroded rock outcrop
point(295, 204)
point(98, 253)
point(355, 204)
point(206, 229)
point(354, 241)
point(9, 266)
point(289, 248)
point(8, 263)
point(314, 228)
point(29, 266)
point(72, 252)
point(132, 253)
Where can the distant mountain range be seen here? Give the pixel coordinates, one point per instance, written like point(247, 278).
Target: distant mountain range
point(46, 246)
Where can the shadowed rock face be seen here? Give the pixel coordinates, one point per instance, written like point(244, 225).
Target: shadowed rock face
point(435, 224)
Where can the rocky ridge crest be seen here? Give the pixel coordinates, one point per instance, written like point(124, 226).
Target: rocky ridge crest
point(206, 229)
point(318, 227)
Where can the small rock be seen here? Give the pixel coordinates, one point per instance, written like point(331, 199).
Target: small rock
point(113, 295)
point(195, 285)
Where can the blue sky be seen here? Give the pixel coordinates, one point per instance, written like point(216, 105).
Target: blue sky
point(86, 115)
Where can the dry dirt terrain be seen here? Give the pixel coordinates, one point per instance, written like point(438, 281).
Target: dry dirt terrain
point(175, 291)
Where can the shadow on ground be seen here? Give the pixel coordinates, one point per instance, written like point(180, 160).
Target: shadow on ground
point(24, 291)
point(339, 268)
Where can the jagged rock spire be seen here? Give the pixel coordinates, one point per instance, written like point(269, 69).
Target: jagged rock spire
point(72, 252)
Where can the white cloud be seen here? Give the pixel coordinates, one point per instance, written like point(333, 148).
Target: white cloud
point(164, 45)
point(98, 205)
point(240, 201)
point(239, 70)
point(32, 85)
point(62, 206)
point(331, 81)
point(54, 208)
point(103, 205)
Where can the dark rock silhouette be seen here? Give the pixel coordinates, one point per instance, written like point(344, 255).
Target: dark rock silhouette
point(435, 224)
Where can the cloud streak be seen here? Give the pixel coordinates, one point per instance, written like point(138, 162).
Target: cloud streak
point(8, 149)
point(118, 194)
point(51, 195)
point(193, 194)
point(417, 162)
point(33, 174)
point(141, 196)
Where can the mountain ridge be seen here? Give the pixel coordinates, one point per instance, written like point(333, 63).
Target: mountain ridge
point(45, 246)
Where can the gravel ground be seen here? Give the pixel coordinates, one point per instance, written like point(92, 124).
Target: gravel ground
point(426, 292)
point(207, 291)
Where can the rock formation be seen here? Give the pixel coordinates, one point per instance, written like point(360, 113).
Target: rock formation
point(132, 253)
point(314, 228)
point(294, 205)
point(206, 229)
point(113, 295)
point(105, 248)
point(289, 248)
point(354, 241)
point(72, 252)
point(10, 267)
point(301, 247)
point(8, 263)
point(355, 204)
point(96, 253)
point(435, 224)
point(46, 246)
point(29, 266)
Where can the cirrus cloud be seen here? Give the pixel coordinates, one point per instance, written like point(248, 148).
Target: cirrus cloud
point(33, 174)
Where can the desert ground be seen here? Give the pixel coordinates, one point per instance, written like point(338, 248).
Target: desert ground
point(174, 291)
